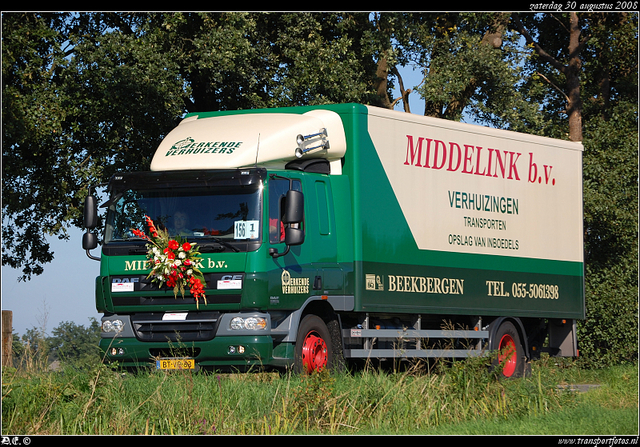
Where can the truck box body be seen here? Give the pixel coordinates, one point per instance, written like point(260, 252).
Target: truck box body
point(403, 216)
point(468, 212)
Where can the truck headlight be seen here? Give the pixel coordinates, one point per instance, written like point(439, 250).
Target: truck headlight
point(249, 323)
point(112, 326)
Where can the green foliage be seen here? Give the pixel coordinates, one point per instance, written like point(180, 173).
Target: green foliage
point(75, 344)
point(610, 163)
point(73, 116)
point(609, 333)
point(32, 116)
point(70, 344)
point(87, 95)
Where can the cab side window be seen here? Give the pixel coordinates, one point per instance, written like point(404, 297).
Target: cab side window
point(277, 192)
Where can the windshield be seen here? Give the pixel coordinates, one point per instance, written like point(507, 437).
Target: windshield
point(227, 215)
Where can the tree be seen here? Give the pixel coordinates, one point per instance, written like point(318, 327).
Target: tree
point(472, 64)
point(570, 69)
point(610, 86)
point(75, 343)
point(32, 116)
point(69, 342)
point(466, 64)
point(31, 350)
point(316, 58)
point(88, 95)
point(609, 333)
point(77, 98)
point(584, 76)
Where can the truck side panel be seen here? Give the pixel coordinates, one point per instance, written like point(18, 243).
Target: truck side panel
point(512, 247)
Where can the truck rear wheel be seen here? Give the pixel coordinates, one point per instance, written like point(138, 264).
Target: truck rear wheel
point(314, 350)
point(510, 351)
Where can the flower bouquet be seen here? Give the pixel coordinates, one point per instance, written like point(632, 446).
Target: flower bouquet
point(173, 261)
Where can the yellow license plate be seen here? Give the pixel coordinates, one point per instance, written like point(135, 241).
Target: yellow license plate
point(175, 364)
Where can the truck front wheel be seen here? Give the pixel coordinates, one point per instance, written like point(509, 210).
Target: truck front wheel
point(313, 346)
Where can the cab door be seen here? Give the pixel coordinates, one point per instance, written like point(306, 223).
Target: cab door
point(291, 274)
point(329, 279)
point(311, 268)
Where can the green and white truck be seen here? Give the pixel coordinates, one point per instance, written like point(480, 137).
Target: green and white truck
point(337, 232)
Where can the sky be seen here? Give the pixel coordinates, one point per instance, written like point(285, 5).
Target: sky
point(65, 292)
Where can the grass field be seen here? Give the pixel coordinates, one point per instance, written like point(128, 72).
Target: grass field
point(459, 398)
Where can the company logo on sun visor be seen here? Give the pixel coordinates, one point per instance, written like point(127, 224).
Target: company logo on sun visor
point(189, 146)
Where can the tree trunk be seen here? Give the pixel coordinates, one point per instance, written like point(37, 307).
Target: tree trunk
point(572, 72)
point(381, 82)
point(7, 338)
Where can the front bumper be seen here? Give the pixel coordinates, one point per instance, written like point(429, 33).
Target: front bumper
point(132, 347)
point(242, 351)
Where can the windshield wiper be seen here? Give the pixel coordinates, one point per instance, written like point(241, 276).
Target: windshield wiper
point(218, 245)
point(138, 251)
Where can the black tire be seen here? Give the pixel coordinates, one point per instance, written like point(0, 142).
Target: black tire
point(315, 347)
point(510, 356)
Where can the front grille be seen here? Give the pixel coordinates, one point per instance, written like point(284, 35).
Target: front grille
point(174, 352)
point(140, 283)
point(119, 300)
point(198, 326)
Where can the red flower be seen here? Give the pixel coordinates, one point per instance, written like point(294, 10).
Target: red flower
point(138, 233)
point(152, 227)
point(164, 271)
point(197, 288)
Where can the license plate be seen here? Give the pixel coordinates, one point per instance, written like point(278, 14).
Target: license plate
point(175, 364)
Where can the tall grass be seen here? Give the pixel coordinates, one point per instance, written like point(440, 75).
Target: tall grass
point(434, 399)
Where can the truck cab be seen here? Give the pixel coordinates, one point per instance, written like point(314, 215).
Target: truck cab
point(263, 218)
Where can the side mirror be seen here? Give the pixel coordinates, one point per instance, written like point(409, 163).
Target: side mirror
point(294, 207)
point(90, 212)
point(293, 217)
point(293, 236)
point(89, 241)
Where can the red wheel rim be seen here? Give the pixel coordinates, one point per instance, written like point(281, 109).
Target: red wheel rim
point(314, 352)
point(507, 357)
